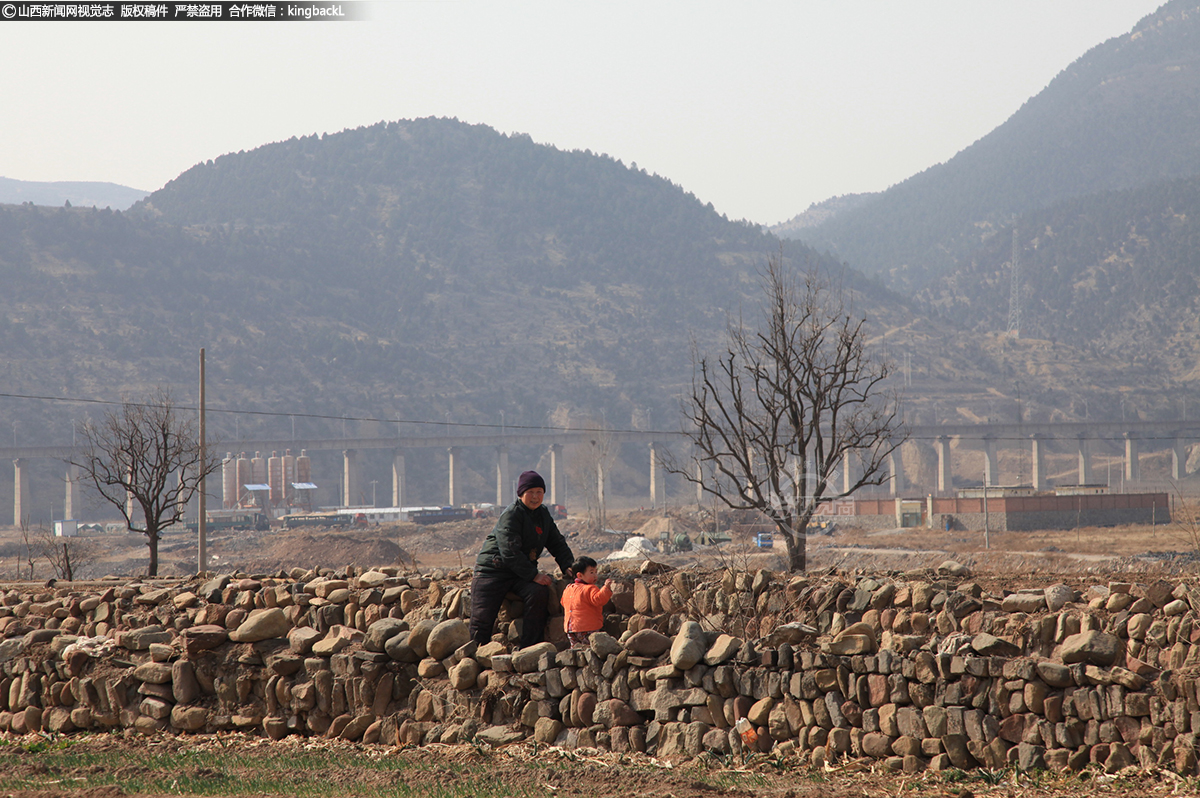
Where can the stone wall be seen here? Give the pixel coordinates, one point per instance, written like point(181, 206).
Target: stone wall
point(921, 671)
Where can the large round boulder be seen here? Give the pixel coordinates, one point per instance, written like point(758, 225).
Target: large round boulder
point(419, 636)
point(398, 648)
point(446, 637)
point(382, 631)
point(689, 646)
point(262, 625)
point(647, 643)
point(1093, 647)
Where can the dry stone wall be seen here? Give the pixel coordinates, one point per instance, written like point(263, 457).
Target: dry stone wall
point(918, 670)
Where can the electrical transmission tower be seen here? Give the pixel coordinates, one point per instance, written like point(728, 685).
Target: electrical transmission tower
point(1014, 296)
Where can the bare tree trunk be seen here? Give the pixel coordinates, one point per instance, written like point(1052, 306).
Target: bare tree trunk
point(152, 542)
point(795, 540)
point(68, 568)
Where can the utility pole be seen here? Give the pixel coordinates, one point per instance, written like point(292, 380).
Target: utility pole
point(986, 542)
point(201, 525)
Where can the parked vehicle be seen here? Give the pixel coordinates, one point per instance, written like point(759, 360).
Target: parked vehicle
point(484, 511)
point(439, 515)
point(231, 519)
point(293, 520)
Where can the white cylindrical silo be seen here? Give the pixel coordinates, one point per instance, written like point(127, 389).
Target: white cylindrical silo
point(275, 478)
point(229, 488)
point(245, 476)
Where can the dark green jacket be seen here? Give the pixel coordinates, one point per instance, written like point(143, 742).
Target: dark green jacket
point(517, 541)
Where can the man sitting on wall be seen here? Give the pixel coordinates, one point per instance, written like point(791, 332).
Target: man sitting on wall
point(508, 563)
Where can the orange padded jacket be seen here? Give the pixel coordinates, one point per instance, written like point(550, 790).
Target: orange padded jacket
point(584, 605)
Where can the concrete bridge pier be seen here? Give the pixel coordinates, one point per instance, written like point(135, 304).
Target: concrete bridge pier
point(945, 478)
point(991, 464)
point(895, 464)
point(600, 487)
point(1038, 460)
point(558, 485)
point(503, 476)
point(658, 493)
point(181, 480)
point(1178, 459)
point(1133, 466)
point(399, 479)
point(453, 492)
point(849, 471)
point(349, 477)
point(1085, 461)
point(21, 506)
point(71, 504)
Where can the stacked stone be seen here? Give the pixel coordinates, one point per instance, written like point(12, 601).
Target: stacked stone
point(250, 653)
point(918, 671)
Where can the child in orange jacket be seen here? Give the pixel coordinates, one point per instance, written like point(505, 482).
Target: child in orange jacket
point(584, 603)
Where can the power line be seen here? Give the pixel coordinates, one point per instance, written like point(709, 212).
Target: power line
point(327, 417)
point(505, 426)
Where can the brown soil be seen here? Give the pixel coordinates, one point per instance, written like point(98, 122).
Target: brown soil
point(234, 765)
point(453, 546)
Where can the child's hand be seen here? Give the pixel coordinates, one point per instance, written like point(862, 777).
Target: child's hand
point(608, 583)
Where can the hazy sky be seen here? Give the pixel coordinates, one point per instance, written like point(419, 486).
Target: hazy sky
point(758, 107)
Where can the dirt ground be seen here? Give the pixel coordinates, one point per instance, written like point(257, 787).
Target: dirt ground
point(1165, 548)
point(107, 766)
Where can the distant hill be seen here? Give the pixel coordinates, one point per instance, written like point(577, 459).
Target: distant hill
point(819, 213)
point(436, 271)
point(1123, 115)
point(465, 265)
point(425, 269)
point(81, 194)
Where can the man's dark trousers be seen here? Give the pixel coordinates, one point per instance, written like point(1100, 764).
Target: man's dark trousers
point(487, 594)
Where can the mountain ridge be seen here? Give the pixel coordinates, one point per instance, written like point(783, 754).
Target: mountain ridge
point(1131, 100)
point(78, 193)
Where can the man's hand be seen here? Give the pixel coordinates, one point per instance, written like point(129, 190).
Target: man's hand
point(543, 579)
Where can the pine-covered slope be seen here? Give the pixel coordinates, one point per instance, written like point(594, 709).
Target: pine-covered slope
point(1123, 115)
point(410, 269)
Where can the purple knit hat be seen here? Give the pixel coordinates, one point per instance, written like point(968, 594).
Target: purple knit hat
point(530, 479)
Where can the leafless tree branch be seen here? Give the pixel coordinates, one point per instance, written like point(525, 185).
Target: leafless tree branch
point(773, 416)
point(144, 459)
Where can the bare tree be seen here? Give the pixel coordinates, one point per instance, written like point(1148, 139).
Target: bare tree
point(69, 557)
point(144, 459)
point(774, 416)
point(27, 541)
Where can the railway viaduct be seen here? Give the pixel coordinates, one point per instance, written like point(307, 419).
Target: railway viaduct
point(1134, 437)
